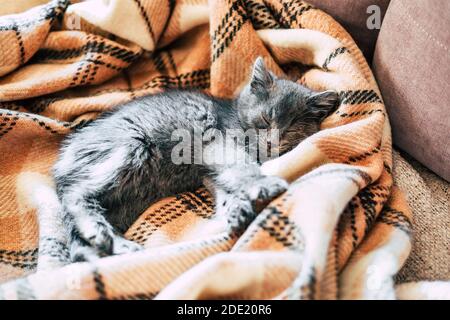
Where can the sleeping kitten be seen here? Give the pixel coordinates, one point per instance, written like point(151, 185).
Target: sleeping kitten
point(111, 170)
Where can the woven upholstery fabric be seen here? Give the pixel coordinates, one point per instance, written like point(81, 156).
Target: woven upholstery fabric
point(342, 230)
point(428, 196)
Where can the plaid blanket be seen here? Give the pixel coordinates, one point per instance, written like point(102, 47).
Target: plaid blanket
point(342, 230)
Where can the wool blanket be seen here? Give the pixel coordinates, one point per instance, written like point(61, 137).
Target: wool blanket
point(342, 230)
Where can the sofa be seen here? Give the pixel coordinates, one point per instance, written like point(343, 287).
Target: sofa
point(409, 55)
point(407, 47)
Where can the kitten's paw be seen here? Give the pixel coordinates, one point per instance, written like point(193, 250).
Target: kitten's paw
point(239, 213)
point(122, 246)
point(265, 189)
point(242, 207)
point(99, 234)
point(83, 254)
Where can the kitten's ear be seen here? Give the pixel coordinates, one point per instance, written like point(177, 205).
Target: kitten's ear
point(321, 104)
point(261, 80)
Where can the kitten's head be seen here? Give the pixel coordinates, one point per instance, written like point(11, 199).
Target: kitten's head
point(268, 102)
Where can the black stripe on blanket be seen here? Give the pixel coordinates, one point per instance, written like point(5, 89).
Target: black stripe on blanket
point(280, 228)
point(14, 105)
point(363, 156)
point(26, 259)
point(370, 198)
point(102, 63)
point(333, 55)
point(261, 16)
point(95, 45)
point(204, 196)
point(41, 121)
point(358, 97)
point(294, 11)
point(163, 215)
point(38, 105)
point(194, 203)
point(137, 296)
point(199, 79)
point(359, 113)
point(395, 218)
point(368, 203)
point(230, 25)
point(99, 285)
point(7, 124)
point(388, 169)
point(146, 19)
point(171, 61)
point(172, 4)
point(158, 60)
point(350, 210)
point(20, 42)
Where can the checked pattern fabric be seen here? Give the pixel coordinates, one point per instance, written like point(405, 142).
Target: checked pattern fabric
point(341, 231)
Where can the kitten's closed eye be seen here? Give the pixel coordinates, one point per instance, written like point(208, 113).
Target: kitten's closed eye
point(288, 99)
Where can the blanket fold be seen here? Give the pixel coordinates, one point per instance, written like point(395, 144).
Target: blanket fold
point(342, 230)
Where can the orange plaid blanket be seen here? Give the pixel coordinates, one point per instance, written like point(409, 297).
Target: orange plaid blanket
point(342, 230)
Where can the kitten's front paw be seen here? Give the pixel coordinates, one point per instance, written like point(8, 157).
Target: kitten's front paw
point(122, 245)
point(83, 254)
point(239, 213)
point(242, 207)
point(103, 239)
point(264, 190)
point(99, 234)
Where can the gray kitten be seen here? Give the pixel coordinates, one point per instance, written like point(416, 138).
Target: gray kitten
point(111, 170)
